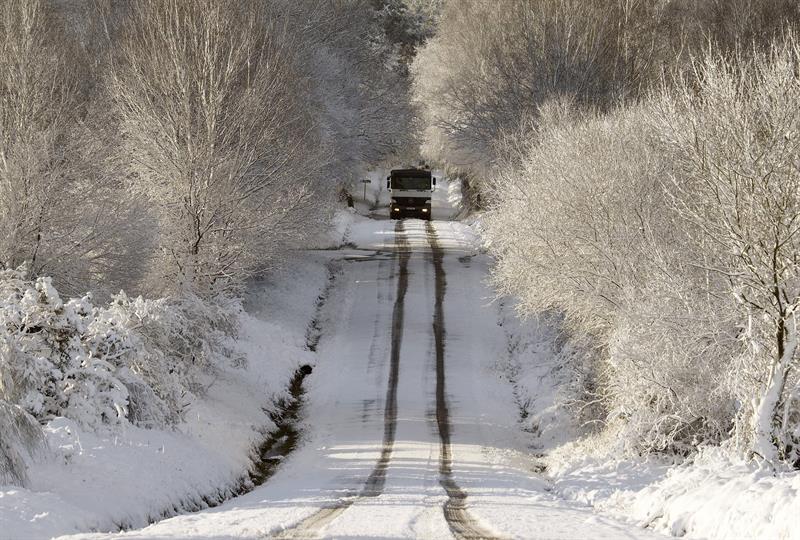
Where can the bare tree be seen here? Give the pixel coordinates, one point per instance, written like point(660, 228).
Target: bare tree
point(38, 95)
point(491, 66)
point(736, 179)
point(220, 142)
point(358, 82)
point(667, 232)
point(50, 159)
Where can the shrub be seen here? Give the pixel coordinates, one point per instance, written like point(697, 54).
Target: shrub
point(134, 360)
point(667, 232)
point(22, 442)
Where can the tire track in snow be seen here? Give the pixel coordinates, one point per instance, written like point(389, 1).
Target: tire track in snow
point(311, 526)
point(461, 523)
point(377, 479)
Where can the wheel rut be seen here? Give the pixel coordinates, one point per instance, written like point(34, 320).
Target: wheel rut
point(311, 526)
point(462, 524)
point(377, 479)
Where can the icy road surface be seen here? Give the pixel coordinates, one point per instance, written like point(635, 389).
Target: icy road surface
point(408, 430)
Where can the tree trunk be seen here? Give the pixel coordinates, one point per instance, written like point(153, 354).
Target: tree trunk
point(765, 406)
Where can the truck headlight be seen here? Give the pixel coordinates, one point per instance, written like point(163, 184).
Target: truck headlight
point(424, 209)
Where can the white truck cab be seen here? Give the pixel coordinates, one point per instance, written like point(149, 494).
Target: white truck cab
point(411, 191)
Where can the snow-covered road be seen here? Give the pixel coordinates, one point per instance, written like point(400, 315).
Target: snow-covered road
point(408, 430)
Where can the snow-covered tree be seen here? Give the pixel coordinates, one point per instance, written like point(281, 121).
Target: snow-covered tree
point(734, 140)
point(220, 141)
point(356, 70)
point(491, 65)
point(666, 232)
point(49, 160)
point(582, 227)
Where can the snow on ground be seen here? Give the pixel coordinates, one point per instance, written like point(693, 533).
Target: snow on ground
point(717, 497)
point(504, 379)
point(322, 483)
point(447, 199)
point(535, 370)
point(107, 480)
point(343, 220)
point(711, 496)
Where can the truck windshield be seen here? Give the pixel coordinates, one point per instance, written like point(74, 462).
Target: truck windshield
point(411, 182)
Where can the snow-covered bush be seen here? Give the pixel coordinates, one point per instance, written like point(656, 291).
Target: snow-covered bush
point(134, 360)
point(666, 232)
point(48, 364)
point(183, 339)
point(733, 138)
point(582, 226)
point(21, 442)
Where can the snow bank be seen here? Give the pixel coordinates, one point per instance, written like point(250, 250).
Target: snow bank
point(447, 199)
point(101, 480)
point(351, 228)
point(538, 376)
point(716, 497)
point(711, 496)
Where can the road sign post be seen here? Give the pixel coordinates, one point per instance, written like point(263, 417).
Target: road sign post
point(365, 182)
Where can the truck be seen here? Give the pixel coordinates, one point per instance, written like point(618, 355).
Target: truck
point(411, 191)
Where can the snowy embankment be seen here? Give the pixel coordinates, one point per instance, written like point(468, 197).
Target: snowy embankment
point(712, 495)
point(128, 476)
